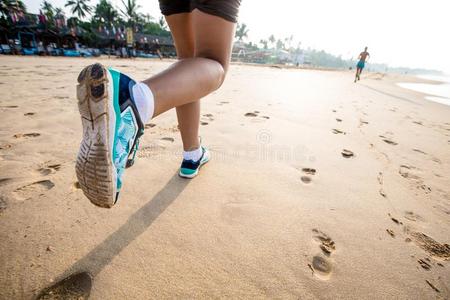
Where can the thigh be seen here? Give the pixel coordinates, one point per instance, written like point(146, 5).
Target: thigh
point(213, 37)
point(182, 32)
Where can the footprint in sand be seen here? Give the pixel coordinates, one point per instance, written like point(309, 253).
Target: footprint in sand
point(33, 189)
point(362, 123)
point(412, 216)
point(380, 181)
point(306, 179)
point(432, 247)
point(327, 245)
point(432, 286)
point(254, 114)
point(337, 131)
point(168, 139)
point(388, 141)
point(149, 125)
point(321, 267)
point(391, 232)
point(5, 146)
point(436, 160)
point(76, 286)
point(406, 172)
point(395, 220)
point(309, 171)
point(380, 178)
point(419, 151)
point(206, 118)
point(27, 135)
point(425, 263)
point(410, 172)
point(150, 151)
point(49, 169)
point(5, 181)
point(347, 153)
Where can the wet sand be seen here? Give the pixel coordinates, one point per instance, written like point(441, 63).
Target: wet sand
point(318, 188)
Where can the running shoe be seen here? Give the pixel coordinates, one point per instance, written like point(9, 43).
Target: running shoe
point(111, 131)
point(189, 168)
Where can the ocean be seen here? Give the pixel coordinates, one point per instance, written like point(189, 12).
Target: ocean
point(437, 92)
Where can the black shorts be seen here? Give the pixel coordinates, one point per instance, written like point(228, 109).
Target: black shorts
point(226, 9)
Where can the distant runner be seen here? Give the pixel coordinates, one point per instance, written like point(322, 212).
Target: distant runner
point(363, 56)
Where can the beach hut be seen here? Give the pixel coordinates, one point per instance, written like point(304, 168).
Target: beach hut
point(5, 48)
point(149, 44)
point(27, 41)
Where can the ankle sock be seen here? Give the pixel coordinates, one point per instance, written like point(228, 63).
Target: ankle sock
point(144, 100)
point(193, 155)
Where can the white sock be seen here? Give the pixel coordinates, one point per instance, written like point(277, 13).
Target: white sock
point(145, 102)
point(193, 155)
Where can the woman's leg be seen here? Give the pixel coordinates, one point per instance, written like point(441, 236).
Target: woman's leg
point(190, 79)
point(189, 114)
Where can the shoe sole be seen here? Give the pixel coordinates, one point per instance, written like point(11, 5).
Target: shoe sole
point(196, 171)
point(94, 165)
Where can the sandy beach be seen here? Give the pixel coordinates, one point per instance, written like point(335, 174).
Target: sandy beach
point(318, 188)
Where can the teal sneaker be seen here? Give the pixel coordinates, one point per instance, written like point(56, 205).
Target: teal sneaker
point(189, 168)
point(111, 131)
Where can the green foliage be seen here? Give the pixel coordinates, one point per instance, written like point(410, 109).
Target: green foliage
point(59, 12)
point(80, 8)
point(264, 44)
point(7, 6)
point(105, 14)
point(324, 59)
point(155, 29)
point(241, 31)
point(130, 11)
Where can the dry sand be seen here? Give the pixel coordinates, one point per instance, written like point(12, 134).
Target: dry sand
point(279, 212)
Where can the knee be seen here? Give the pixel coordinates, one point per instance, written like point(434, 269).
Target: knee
point(219, 67)
point(219, 75)
point(214, 71)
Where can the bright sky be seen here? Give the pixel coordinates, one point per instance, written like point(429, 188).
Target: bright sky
point(410, 33)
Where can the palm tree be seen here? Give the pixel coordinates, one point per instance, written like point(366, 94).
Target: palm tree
point(81, 8)
point(105, 13)
point(48, 10)
point(280, 44)
point(264, 43)
point(162, 23)
point(147, 18)
point(241, 31)
point(59, 12)
point(272, 40)
point(288, 41)
point(7, 6)
point(129, 11)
